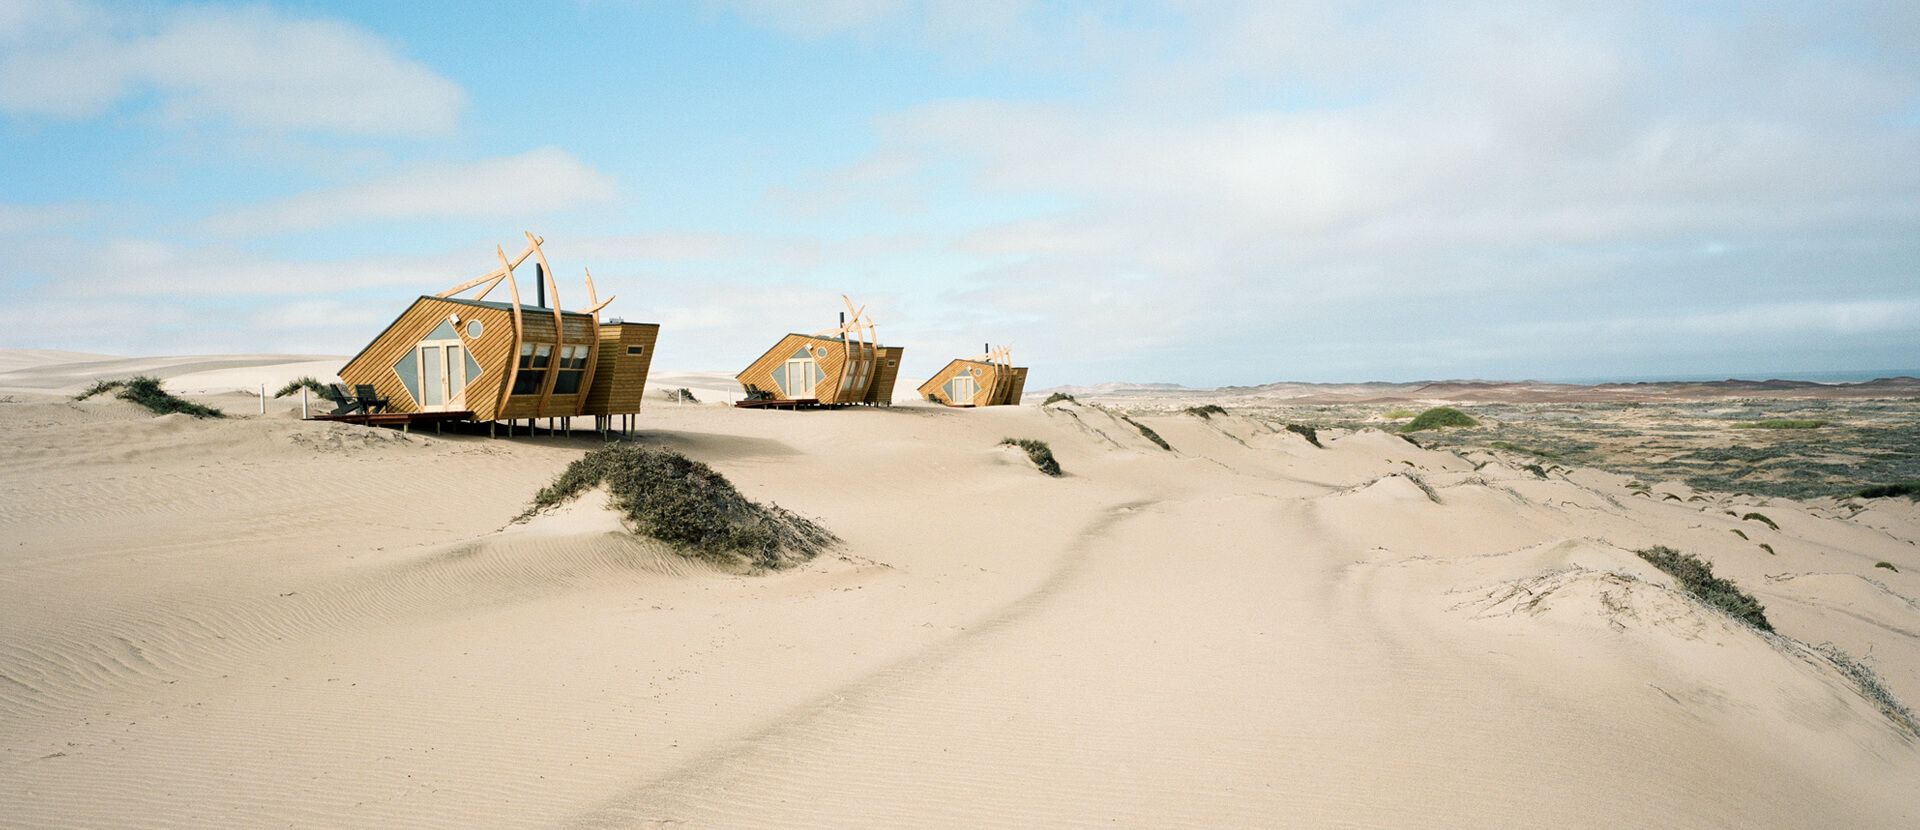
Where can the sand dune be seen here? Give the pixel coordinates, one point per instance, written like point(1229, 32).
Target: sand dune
point(262, 621)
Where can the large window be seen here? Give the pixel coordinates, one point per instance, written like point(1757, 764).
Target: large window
point(534, 361)
point(573, 368)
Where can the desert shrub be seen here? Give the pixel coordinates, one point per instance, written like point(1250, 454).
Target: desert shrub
point(1761, 518)
point(688, 505)
point(1768, 548)
point(1537, 470)
point(1038, 452)
point(1439, 417)
point(1781, 423)
point(1696, 577)
point(99, 387)
point(1669, 497)
point(1868, 683)
point(1509, 446)
point(1149, 433)
point(1432, 494)
point(1738, 532)
point(1398, 414)
point(1910, 489)
point(1888, 565)
point(1058, 397)
point(1207, 411)
point(147, 392)
point(682, 395)
point(1312, 435)
point(324, 390)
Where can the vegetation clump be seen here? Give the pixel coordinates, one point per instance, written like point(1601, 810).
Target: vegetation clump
point(1509, 446)
point(1888, 565)
point(1910, 489)
point(147, 392)
point(689, 505)
point(1398, 414)
point(1870, 687)
point(325, 391)
point(1761, 518)
point(681, 395)
point(1038, 452)
point(1207, 411)
point(1058, 397)
point(1696, 577)
point(1440, 417)
point(1312, 435)
point(1781, 423)
point(1151, 435)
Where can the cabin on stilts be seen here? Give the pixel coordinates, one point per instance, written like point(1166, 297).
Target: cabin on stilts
point(840, 366)
point(453, 357)
point(990, 379)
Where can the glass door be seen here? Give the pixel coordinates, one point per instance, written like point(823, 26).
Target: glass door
point(443, 376)
point(433, 378)
point(799, 379)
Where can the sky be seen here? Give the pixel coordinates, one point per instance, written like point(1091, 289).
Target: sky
point(1203, 193)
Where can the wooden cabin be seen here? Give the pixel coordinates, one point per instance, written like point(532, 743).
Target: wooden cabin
point(988, 380)
point(839, 366)
point(491, 361)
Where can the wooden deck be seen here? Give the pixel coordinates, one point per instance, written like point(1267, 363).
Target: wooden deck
point(803, 403)
point(403, 420)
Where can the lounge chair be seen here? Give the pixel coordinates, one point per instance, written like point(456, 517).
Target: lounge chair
point(369, 399)
point(344, 401)
point(755, 393)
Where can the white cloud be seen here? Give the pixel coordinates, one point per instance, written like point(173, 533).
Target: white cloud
point(24, 219)
point(535, 182)
point(1403, 174)
point(249, 67)
point(143, 268)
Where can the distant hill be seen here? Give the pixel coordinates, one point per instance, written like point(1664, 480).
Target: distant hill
point(1490, 391)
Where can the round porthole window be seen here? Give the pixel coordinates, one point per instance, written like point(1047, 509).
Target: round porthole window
point(821, 352)
point(976, 371)
point(474, 329)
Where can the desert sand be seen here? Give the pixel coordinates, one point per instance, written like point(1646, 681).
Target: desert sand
point(261, 621)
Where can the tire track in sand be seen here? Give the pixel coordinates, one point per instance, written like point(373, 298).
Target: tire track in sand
point(636, 806)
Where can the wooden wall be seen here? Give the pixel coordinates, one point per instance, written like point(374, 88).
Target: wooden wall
point(760, 372)
point(1019, 386)
point(495, 346)
point(996, 385)
point(539, 329)
point(619, 379)
point(881, 390)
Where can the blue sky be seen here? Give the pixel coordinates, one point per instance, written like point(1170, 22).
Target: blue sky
point(1202, 193)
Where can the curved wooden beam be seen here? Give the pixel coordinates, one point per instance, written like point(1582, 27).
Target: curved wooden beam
point(559, 326)
point(593, 351)
point(513, 355)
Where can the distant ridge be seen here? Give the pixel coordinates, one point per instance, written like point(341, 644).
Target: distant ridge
point(1492, 391)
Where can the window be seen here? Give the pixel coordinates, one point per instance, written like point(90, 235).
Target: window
point(534, 359)
point(573, 367)
point(474, 329)
point(636, 351)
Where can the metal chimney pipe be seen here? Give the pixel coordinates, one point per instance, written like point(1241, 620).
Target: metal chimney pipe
point(539, 285)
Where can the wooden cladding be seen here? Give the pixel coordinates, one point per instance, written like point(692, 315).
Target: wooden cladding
point(991, 384)
point(624, 355)
point(617, 376)
point(880, 392)
point(492, 350)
